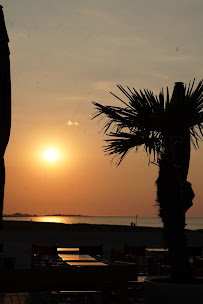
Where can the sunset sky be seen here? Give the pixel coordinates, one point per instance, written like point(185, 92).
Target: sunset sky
point(66, 54)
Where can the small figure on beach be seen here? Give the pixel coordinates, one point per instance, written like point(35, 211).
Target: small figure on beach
point(5, 104)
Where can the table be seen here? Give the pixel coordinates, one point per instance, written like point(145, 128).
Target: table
point(156, 250)
point(77, 257)
point(159, 252)
point(68, 250)
point(87, 264)
point(157, 261)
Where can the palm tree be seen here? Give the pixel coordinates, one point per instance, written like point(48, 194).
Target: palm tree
point(165, 127)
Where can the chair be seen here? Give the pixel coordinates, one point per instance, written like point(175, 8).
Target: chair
point(43, 254)
point(1, 248)
point(77, 297)
point(1, 255)
point(132, 282)
point(95, 251)
point(195, 251)
point(197, 267)
point(44, 249)
point(135, 254)
point(8, 263)
point(159, 263)
point(134, 250)
point(115, 255)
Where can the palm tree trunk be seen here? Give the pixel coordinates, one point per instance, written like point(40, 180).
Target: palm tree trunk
point(172, 210)
point(172, 192)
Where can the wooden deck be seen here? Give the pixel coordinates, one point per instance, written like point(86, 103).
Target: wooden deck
point(43, 298)
point(25, 298)
point(34, 286)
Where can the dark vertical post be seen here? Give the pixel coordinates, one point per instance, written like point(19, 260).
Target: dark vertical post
point(5, 103)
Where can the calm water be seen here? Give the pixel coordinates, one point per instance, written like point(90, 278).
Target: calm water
point(192, 222)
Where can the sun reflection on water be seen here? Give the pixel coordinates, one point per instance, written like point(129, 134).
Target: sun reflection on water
point(52, 219)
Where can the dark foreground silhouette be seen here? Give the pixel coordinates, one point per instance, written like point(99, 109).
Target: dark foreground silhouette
point(5, 103)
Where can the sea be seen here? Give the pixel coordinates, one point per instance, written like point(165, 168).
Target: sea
point(193, 223)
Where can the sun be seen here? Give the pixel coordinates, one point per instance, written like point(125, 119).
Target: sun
point(51, 155)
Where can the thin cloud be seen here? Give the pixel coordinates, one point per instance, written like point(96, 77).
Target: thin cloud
point(104, 85)
point(180, 58)
point(71, 123)
point(72, 98)
point(160, 75)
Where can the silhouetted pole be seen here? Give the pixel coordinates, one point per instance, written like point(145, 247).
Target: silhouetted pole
point(5, 103)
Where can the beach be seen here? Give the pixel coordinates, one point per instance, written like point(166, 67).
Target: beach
point(18, 237)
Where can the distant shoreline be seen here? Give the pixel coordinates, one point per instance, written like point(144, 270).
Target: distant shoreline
point(73, 215)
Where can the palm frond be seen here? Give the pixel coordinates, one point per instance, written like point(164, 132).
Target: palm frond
point(123, 142)
point(141, 118)
point(147, 120)
point(193, 112)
